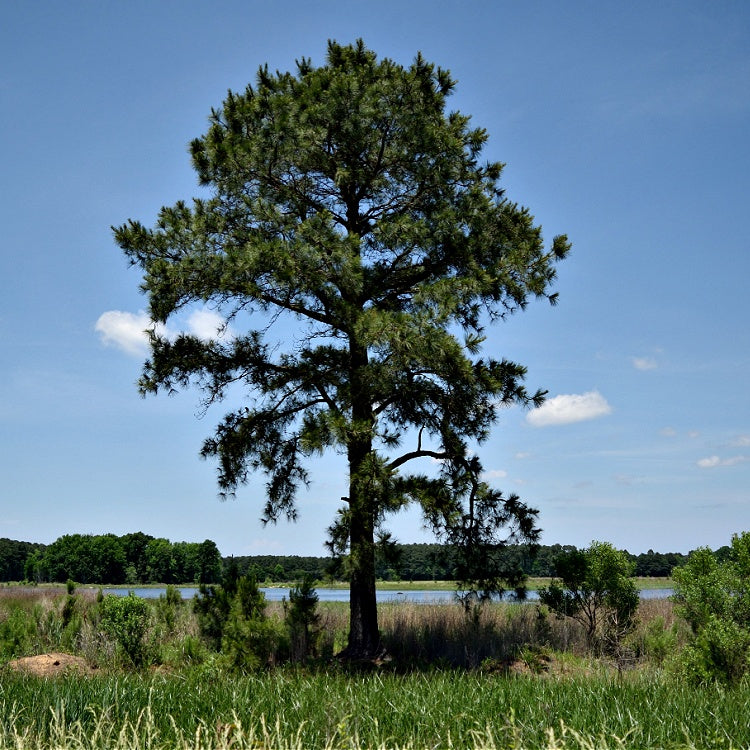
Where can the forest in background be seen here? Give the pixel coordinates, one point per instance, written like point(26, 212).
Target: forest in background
point(140, 558)
point(133, 559)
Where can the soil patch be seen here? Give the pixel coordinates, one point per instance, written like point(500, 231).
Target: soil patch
point(52, 665)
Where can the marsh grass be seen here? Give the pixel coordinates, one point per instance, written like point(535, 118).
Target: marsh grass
point(416, 635)
point(449, 684)
point(291, 708)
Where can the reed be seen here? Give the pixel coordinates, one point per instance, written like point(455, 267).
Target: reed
point(296, 708)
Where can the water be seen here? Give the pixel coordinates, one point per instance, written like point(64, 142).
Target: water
point(342, 595)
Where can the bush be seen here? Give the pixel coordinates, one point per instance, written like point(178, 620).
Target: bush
point(126, 620)
point(17, 633)
point(714, 598)
point(719, 653)
point(659, 642)
point(231, 617)
point(596, 590)
point(302, 620)
point(251, 643)
point(168, 607)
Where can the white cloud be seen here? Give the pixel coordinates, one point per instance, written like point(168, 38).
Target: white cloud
point(711, 462)
point(743, 441)
point(668, 432)
point(494, 474)
point(128, 331)
point(644, 363)
point(569, 408)
point(206, 325)
point(124, 330)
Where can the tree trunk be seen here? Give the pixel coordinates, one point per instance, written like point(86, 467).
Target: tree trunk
point(364, 636)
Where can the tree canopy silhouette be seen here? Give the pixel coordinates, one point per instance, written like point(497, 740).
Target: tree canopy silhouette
point(348, 198)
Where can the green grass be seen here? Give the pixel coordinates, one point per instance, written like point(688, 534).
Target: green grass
point(293, 708)
point(188, 699)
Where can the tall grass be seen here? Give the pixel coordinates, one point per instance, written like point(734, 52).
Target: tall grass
point(297, 709)
point(448, 685)
point(416, 635)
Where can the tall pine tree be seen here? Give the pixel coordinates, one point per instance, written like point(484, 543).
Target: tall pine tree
point(347, 198)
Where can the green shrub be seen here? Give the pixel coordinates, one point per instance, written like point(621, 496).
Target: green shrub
point(126, 620)
point(187, 651)
point(168, 606)
point(232, 618)
point(714, 598)
point(251, 643)
point(596, 590)
point(17, 634)
point(212, 605)
point(659, 642)
point(719, 653)
point(302, 620)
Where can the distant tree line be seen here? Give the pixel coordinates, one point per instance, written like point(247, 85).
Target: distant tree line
point(139, 558)
point(428, 562)
point(13, 556)
point(136, 558)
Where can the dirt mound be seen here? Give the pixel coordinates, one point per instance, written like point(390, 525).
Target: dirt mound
point(51, 665)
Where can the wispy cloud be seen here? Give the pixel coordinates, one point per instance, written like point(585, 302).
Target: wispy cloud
point(644, 363)
point(712, 462)
point(494, 474)
point(569, 408)
point(129, 331)
point(124, 330)
point(206, 324)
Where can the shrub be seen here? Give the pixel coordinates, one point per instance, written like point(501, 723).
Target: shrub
point(126, 620)
point(595, 589)
point(250, 643)
point(719, 653)
point(168, 606)
point(302, 620)
point(231, 617)
point(714, 598)
point(17, 634)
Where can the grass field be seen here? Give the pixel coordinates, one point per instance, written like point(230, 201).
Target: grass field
point(294, 708)
point(500, 677)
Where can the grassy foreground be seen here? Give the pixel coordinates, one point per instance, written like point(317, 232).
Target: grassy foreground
point(291, 708)
point(500, 677)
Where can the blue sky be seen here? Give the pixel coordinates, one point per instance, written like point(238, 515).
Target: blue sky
point(624, 125)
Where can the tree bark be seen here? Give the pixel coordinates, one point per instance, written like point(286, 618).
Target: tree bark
point(364, 635)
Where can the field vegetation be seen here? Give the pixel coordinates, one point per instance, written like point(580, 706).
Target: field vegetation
point(80, 669)
point(497, 676)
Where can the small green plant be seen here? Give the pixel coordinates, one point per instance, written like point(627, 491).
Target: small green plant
point(17, 633)
point(251, 643)
point(232, 618)
point(658, 641)
point(126, 620)
point(302, 620)
point(168, 607)
point(536, 658)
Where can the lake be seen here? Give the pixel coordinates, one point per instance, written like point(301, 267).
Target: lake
point(275, 594)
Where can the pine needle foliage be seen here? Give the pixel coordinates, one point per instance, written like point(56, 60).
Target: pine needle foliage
point(349, 200)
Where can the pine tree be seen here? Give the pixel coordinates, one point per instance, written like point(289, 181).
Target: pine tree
point(348, 198)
